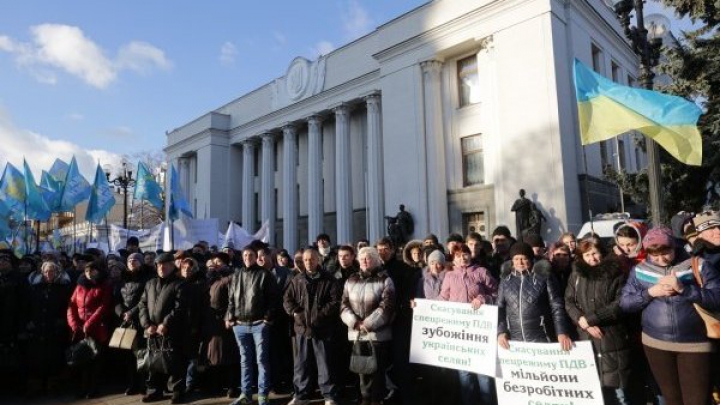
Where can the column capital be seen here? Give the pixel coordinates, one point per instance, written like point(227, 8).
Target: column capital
point(342, 108)
point(289, 127)
point(268, 137)
point(315, 119)
point(372, 97)
point(431, 66)
point(249, 142)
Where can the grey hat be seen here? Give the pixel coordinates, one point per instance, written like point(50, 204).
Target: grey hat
point(164, 258)
point(706, 220)
point(436, 256)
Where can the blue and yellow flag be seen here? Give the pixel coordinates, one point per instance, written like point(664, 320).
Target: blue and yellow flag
point(101, 198)
point(146, 188)
point(75, 189)
point(35, 205)
point(178, 202)
point(607, 109)
point(59, 170)
point(50, 188)
point(12, 192)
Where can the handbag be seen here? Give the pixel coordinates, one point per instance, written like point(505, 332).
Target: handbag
point(362, 361)
point(159, 355)
point(141, 360)
point(124, 338)
point(82, 352)
point(711, 319)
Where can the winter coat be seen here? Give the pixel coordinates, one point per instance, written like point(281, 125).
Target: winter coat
point(196, 302)
point(89, 309)
point(162, 303)
point(672, 319)
point(314, 305)
point(13, 294)
point(252, 295)
point(369, 297)
point(530, 305)
point(407, 253)
point(464, 284)
point(429, 285)
point(404, 280)
point(594, 292)
point(47, 325)
point(221, 346)
point(131, 291)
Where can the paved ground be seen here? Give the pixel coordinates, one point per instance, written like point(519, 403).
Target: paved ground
point(120, 399)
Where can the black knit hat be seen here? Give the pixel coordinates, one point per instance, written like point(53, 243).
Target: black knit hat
point(521, 248)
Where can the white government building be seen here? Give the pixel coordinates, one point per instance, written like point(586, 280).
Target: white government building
point(449, 109)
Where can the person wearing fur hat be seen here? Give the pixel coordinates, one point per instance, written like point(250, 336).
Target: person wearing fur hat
point(674, 335)
point(592, 301)
point(527, 281)
point(412, 254)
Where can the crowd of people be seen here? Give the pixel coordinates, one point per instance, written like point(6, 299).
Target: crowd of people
point(246, 322)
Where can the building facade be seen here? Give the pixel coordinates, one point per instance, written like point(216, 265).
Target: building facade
point(449, 109)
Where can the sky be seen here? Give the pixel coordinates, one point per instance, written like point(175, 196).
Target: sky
point(103, 79)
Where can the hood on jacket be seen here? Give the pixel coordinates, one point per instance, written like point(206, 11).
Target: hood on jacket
point(406, 254)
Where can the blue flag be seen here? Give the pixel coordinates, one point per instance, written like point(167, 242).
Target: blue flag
point(59, 170)
point(12, 192)
point(101, 198)
point(146, 188)
point(75, 189)
point(34, 202)
point(51, 189)
point(178, 203)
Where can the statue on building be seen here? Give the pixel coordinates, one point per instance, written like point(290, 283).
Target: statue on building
point(400, 227)
point(522, 208)
point(534, 222)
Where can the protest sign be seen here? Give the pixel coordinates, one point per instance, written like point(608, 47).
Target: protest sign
point(543, 373)
point(453, 335)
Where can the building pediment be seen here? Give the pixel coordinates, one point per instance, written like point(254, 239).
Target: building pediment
point(302, 80)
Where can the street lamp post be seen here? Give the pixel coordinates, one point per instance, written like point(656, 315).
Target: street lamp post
point(647, 47)
point(124, 180)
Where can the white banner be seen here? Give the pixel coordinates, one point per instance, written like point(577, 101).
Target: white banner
point(190, 231)
point(238, 237)
point(148, 237)
point(542, 373)
point(453, 335)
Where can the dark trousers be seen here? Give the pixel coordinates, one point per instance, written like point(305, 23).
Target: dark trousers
point(313, 354)
point(175, 379)
point(402, 373)
point(281, 354)
point(684, 378)
point(87, 377)
point(372, 386)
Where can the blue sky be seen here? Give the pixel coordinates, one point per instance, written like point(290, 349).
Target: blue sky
point(99, 79)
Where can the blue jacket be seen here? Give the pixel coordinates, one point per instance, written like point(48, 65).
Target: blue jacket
point(672, 319)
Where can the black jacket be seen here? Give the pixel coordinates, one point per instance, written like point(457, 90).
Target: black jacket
point(530, 305)
point(131, 291)
point(252, 295)
point(594, 292)
point(196, 301)
point(162, 303)
point(314, 304)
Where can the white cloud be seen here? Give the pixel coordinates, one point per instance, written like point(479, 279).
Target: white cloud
point(142, 58)
point(279, 38)
point(356, 21)
point(228, 53)
point(57, 47)
point(41, 151)
point(322, 48)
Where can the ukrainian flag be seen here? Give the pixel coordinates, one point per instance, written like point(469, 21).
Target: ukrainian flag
point(607, 109)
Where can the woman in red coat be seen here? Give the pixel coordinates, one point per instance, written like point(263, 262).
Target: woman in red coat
point(89, 308)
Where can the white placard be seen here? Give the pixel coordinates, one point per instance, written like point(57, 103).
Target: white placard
point(542, 373)
point(453, 335)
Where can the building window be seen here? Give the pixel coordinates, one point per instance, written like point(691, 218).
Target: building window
point(472, 160)
point(615, 71)
point(257, 153)
point(631, 81)
point(604, 162)
point(638, 164)
point(621, 153)
point(596, 58)
point(468, 81)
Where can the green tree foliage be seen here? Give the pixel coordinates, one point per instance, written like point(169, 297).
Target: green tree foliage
point(694, 67)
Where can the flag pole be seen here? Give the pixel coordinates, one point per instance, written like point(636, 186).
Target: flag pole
point(37, 237)
point(74, 230)
point(25, 224)
point(587, 191)
point(142, 213)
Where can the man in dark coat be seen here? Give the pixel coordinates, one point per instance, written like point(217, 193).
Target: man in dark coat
point(161, 316)
point(313, 300)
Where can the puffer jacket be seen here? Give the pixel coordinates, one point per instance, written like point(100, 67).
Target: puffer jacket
point(89, 308)
point(131, 291)
point(369, 297)
point(162, 303)
point(594, 292)
point(314, 304)
point(252, 295)
point(530, 305)
point(672, 319)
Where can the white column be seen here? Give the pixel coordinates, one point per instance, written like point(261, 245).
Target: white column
point(375, 187)
point(435, 147)
point(267, 188)
point(248, 186)
point(290, 198)
point(343, 175)
point(316, 209)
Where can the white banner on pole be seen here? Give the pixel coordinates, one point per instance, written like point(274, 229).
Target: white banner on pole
point(542, 373)
point(453, 335)
point(190, 231)
point(238, 237)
